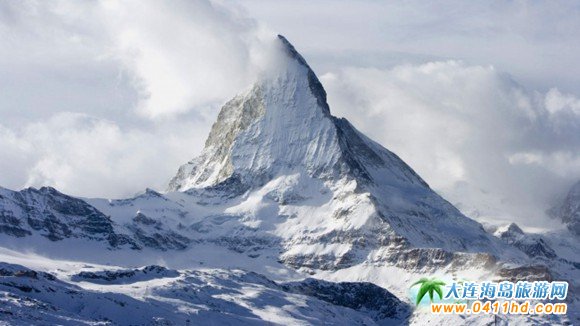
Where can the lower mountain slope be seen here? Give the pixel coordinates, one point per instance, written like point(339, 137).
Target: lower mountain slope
point(169, 297)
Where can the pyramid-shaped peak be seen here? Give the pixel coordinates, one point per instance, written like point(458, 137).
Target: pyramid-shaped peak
point(291, 51)
point(314, 84)
point(513, 228)
point(283, 126)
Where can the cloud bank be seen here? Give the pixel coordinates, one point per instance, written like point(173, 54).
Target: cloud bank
point(468, 128)
point(106, 98)
point(533, 40)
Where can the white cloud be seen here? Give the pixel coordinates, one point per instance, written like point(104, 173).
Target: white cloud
point(168, 57)
point(105, 98)
point(534, 40)
point(88, 156)
point(185, 53)
point(16, 157)
point(556, 101)
point(457, 123)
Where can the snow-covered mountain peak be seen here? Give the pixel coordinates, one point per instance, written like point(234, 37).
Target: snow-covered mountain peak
point(283, 125)
point(282, 121)
point(278, 146)
point(512, 229)
point(313, 83)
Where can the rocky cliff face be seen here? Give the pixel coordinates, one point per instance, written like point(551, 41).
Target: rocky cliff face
point(55, 216)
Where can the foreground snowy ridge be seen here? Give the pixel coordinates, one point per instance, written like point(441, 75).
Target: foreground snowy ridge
point(282, 191)
point(155, 295)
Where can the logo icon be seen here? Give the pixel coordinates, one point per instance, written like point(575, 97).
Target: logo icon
point(430, 286)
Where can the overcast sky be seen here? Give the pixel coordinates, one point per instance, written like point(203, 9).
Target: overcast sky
point(105, 98)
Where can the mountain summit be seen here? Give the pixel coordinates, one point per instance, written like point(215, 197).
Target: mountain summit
point(283, 125)
point(278, 172)
point(322, 178)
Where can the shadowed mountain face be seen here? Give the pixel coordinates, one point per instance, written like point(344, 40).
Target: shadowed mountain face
point(55, 216)
point(209, 297)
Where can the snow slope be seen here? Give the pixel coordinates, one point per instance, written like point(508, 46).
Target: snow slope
point(208, 297)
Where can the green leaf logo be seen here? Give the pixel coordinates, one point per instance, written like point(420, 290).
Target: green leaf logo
point(429, 286)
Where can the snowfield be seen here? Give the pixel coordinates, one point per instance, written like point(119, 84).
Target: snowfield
point(86, 294)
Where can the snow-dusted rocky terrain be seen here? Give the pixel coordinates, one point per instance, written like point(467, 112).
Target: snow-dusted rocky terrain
point(289, 216)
